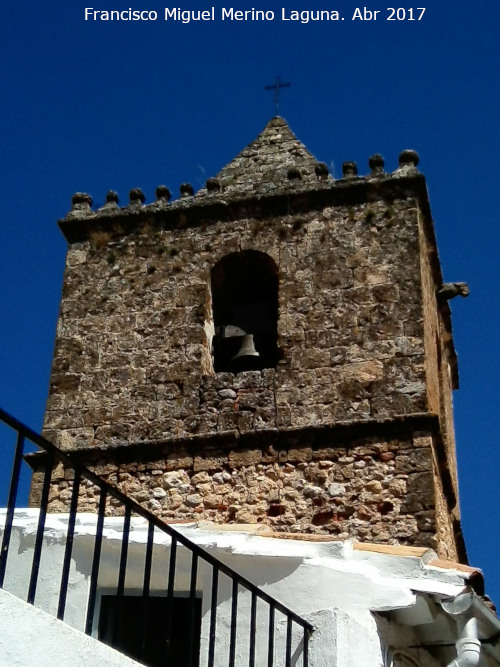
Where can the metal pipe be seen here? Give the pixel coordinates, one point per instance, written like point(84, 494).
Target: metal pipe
point(468, 645)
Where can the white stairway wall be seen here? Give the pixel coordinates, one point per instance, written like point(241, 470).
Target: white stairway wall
point(30, 637)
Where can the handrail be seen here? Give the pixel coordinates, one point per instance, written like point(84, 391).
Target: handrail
point(106, 490)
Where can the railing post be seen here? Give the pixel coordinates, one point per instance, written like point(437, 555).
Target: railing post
point(305, 660)
point(95, 562)
point(234, 621)
point(253, 620)
point(122, 570)
point(146, 586)
point(37, 552)
point(213, 615)
point(270, 645)
point(192, 607)
point(11, 504)
point(69, 544)
point(288, 658)
point(170, 597)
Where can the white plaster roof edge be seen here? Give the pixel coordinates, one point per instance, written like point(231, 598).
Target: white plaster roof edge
point(416, 572)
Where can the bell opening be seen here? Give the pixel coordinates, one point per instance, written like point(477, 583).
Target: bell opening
point(245, 309)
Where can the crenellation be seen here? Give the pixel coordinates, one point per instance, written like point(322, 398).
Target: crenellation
point(137, 197)
point(186, 190)
point(408, 162)
point(231, 189)
point(376, 163)
point(163, 193)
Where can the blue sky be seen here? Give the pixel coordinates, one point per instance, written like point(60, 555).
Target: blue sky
point(92, 106)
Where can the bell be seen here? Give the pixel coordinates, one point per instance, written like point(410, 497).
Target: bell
point(245, 358)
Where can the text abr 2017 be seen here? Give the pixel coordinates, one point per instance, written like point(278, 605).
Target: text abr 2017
point(393, 14)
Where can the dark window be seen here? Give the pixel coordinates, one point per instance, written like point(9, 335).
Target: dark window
point(245, 310)
point(136, 626)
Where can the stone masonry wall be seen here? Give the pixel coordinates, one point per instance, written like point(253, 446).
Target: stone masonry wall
point(374, 489)
point(133, 390)
point(438, 373)
point(132, 360)
point(446, 539)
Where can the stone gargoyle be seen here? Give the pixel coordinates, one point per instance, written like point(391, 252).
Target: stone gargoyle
point(449, 291)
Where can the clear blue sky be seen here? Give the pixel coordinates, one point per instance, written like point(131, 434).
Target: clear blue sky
point(89, 106)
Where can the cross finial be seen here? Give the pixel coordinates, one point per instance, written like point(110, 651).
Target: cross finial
point(276, 87)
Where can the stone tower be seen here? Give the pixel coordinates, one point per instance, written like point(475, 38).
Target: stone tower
point(271, 349)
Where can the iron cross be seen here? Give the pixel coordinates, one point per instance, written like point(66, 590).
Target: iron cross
point(276, 87)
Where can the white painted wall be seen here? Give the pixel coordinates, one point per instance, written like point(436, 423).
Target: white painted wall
point(30, 637)
point(328, 583)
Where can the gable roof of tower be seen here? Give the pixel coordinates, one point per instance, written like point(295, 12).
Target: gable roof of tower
point(265, 164)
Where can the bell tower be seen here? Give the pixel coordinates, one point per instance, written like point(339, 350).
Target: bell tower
point(274, 349)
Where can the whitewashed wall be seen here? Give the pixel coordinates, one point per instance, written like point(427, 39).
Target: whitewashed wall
point(328, 583)
point(31, 637)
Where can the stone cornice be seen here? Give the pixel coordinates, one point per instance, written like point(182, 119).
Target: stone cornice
point(205, 208)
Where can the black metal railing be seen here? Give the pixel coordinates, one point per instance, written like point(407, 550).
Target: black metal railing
point(240, 624)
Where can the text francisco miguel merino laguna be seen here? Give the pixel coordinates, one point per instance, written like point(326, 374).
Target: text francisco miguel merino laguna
point(213, 14)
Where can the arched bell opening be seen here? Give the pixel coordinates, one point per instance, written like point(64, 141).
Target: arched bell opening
point(245, 309)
